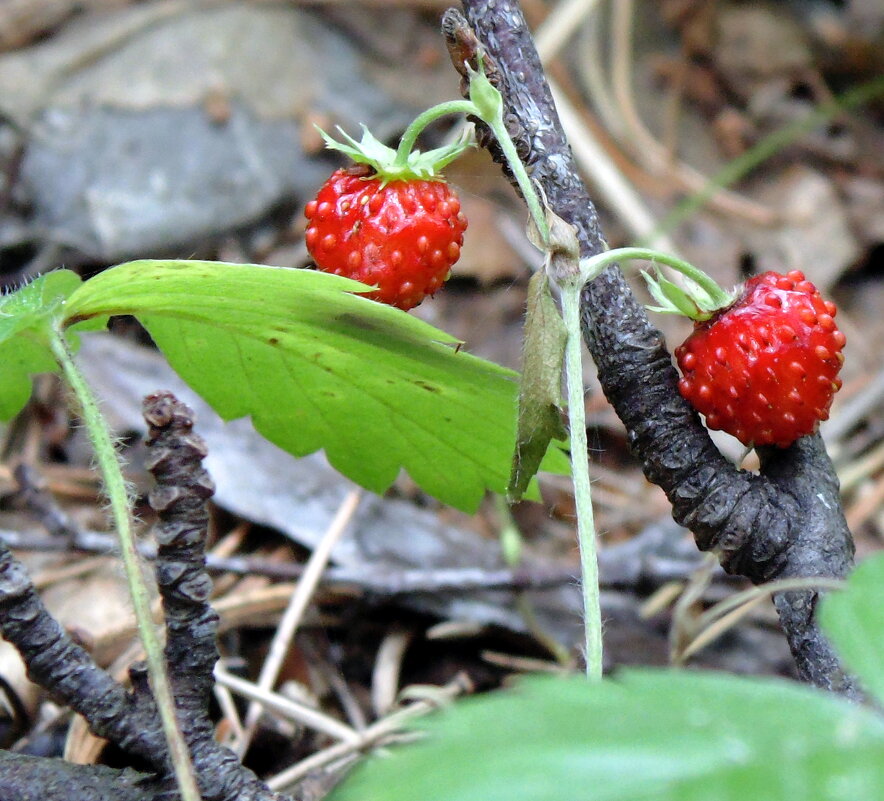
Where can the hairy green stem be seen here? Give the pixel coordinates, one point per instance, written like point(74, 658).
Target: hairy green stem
point(532, 201)
point(115, 488)
point(414, 130)
point(595, 265)
point(487, 105)
point(589, 566)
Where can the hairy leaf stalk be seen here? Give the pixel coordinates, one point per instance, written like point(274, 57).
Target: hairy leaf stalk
point(115, 488)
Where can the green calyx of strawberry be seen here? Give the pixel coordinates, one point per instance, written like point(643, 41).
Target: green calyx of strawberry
point(699, 302)
point(404, 164)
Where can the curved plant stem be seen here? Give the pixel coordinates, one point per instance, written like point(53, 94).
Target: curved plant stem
point(413, 131)
point(115, 488)
point(532, 201)
point(595, 265)
point(570, 278)
point(487, 105)
point(589, 566)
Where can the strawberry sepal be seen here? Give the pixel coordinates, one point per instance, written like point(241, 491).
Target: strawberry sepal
point(369, 150)
point(389, 165)
point(697, 302)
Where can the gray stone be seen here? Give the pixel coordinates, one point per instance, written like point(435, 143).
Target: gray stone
point(150, 132)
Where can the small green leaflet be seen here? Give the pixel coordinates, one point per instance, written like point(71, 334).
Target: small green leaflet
point(854, 620)
point(317, 366)
point(26, 317)
point(540, 397)
point(642, 736)
point(20, 359)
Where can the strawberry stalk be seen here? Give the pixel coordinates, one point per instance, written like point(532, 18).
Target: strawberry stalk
point(416, 128)
point(563, 269)
point(586, 535)
point(699, 304)
point(488, 105)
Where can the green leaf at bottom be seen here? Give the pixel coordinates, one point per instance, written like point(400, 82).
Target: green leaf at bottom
point(854, 620)
point(645, 736)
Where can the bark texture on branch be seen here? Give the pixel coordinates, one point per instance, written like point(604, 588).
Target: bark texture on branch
point(129, 718)
point(179, 498)
point(785, 521)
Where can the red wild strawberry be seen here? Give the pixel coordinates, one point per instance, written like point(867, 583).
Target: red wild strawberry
point(403, 237)
point(390, 222)
point(765, 367)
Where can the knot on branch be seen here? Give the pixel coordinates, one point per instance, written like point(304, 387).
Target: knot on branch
point(465, 49)
point(182, 486)
point(14, 579)
point(175, 459)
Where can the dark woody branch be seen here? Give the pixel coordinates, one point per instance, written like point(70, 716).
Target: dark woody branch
point(179, 498)
point(129, 718)
point(784, 522)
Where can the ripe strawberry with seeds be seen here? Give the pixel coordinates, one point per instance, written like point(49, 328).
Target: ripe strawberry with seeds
point(764, 366)
point(389, 221)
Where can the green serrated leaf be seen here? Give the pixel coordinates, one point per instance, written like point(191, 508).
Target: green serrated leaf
point(854, 620)
point(540, 396)
point(645, 736)
point(316, 366)
point(26, 319)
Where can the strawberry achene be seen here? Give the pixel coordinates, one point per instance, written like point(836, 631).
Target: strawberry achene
point(765, 368)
